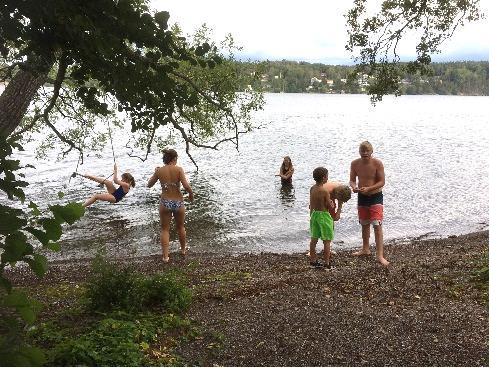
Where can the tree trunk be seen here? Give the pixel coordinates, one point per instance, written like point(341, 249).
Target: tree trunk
point(16, 98)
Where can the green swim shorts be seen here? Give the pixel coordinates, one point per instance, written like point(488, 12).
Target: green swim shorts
point(321, 225)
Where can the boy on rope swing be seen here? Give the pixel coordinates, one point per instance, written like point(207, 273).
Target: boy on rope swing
point(114, 195)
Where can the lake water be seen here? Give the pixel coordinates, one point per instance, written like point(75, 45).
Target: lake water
point(434, 150)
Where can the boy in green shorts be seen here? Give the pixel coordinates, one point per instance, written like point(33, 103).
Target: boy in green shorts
point(321, 222)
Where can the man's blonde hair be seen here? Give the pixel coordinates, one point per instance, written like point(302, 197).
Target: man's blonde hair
point(342, 193)
point(365, 145)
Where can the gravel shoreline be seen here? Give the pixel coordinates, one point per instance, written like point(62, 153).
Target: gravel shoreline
point(268, 309)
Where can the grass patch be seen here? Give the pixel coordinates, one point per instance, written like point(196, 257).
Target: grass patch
point(482, 280)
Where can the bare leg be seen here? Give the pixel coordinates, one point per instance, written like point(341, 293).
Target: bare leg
point(365, 241)
point(165, 220)
point(379, 244)
point(327, 252)
point(103, 197)
point(312, 250)
point(108, 183)
point(182, 234)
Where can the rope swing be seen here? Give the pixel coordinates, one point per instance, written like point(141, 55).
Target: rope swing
point(75, 173)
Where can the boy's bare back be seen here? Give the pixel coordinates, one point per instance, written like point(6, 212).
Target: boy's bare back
point(319, 198)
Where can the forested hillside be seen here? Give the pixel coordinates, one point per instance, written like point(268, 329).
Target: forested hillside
point(455, 78)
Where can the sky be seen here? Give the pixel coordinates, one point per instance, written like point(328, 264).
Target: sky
point(307, 30)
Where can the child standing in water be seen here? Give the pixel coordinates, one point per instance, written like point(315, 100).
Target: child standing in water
point(171, 200)
point(286, 172)
point(321, 222)
point(113, 195)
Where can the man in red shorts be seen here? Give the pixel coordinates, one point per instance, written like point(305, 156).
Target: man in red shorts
point(371, 178)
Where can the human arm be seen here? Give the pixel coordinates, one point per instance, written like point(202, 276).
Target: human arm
point(337, 214)
point(119, 181)
point(310, 201)
point(327, 201)
point(186, 185)
point(152, 180)
point(287, 174)
point(353, 178)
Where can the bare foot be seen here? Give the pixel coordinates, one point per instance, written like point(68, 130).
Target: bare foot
point(362, 252)
point(183, 251)
point(166, 260)
point(383, 261)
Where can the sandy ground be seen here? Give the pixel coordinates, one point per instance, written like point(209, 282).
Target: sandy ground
point(426, 309)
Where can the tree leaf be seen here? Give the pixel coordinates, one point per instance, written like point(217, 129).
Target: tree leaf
point(162, 19)
point(19, 360)
point(16, 299)
point(11, 220)
point(68, 213)
point(34, 355)
point(27, 314)
point(54, 246)
point(5, 283)
point(53, 228)
point(15, 248)
point(40, 235)
point(35, 209)
point(38, 264)
point(24, 306)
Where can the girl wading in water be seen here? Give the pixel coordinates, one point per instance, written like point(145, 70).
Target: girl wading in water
point(171, 200)
point(286, 172)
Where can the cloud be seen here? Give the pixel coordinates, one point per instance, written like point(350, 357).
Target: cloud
point(310, 30)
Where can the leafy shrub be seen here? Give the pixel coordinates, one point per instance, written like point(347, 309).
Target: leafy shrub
point(113, 286)
point(118, 342)
point(167, 290)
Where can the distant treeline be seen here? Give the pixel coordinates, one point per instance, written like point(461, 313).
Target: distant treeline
point(456, 78)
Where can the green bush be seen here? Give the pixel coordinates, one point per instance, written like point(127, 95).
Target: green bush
point(119, 287)
point(118, 341)
point(167, 290)
point(112, 287)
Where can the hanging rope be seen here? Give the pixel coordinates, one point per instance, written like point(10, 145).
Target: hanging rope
point(113, 154)
point(74, 174)
point(76, 170)
point(111, 143)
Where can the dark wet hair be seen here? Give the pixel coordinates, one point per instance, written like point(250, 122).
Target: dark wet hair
point(169, 155)
point(319, 173)
point(127, 177)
